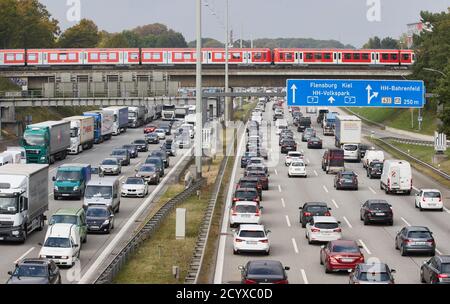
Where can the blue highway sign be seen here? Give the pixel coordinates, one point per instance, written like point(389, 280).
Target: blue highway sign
point(355, 93)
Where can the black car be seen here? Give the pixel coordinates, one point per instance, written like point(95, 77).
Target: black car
point(375, 169)
point(163, 155)
point(415, 239)
point(35, 271)
point(346, 180)
point(152, 138)
point(315, 143)
point(362, 150)
point(247, 195)
point(141, 145)
point(283, 137)
point(372, 273)
point(311, 209)
point(436, 270)
point(262, 176)
point(99, 218)
point(250, 182)
point(377, 211)
point(303, 124)
point(123, 155)
point(277, 116)
point(167, 128)
point(132, 149)
point(288, 145)
point(261, 271)
point(169, 147)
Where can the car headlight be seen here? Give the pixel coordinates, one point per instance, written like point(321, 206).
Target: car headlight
point(76, 188)
point(106, 222)
point(138, 175)
point(42, 256)
point(43, 157)
point(56, 188)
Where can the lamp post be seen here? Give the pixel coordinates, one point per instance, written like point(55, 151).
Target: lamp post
point(227, 88)
point(198, 95)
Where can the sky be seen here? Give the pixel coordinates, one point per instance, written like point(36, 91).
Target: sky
point(343, 20)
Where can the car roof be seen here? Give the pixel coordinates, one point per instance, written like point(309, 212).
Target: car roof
point(430, 190)
point(249, 179)
point(377, 201)
point(265, 262)
point(417, 228)
point(34, 261)
point(110, 158)
point(347, 172)
point(252, 227)
point(325, 219)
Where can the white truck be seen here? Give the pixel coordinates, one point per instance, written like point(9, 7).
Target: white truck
point(23, 200)
point(348, 136)
point(81, 133)
point(190, 119)
point(18, 154)
point(136, 116)
point(396, 177)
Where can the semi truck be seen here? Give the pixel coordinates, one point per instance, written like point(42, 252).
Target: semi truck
point(46, 142)
point(120, 119)
point(23, 200)
point(71, 180)
point(168, 112)
point(136, 116)
point(81, 133)
point(158, 111)
point(150, 113)
point(103, 125)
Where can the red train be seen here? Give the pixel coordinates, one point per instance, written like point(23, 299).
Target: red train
point(210, 56)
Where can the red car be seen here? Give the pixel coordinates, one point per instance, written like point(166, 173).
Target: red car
point(341, 255)
point(149, 129)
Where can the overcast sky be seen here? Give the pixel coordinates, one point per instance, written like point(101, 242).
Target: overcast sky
point(343, 20)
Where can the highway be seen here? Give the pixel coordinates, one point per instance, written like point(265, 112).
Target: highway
point(97, 244)
point(288, 243)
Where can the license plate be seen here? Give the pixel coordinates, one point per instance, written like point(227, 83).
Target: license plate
point(65, 195)
point(347, 260)
point(252, 243)
point(379, 214)
point(245, 215)
point(419, 243)
point(2, 238)
point(95, 227)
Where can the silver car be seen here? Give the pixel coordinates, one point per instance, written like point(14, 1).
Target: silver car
point(110, 166)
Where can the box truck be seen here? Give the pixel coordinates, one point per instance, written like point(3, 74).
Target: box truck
point(103, 125)
point(23, 200)
point(46, 142)
point(81, 133)
point(348, 136)
point(18, 154)
point(120, 115)
point(136, 116)
point(71, 180)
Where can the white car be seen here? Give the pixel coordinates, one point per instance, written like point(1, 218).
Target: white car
point(291, 156)
point(161, 133)
point(297, 168)
point(429, 199)
point(244, 212)
point(62, 244)
point(134, 187)
point(323, 229)
point(251, 238)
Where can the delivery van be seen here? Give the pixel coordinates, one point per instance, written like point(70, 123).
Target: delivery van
point(396, 177)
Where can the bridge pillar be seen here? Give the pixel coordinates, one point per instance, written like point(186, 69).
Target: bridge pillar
point(8, 117)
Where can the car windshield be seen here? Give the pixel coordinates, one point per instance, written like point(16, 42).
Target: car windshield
point(147, 169)
point(64, 219)
point(245, 194)
point(62, 176)
point(153, 161)
point(119, 152)
point(98, 191)
point(246, 209)
point(140, 142)
point(248, 184)
point(31, 271)
point(134, 181)
point(160, 131)
point(346, 248)
point(295, 155)
point(374, 276)
point(445, 268)
point(57, 242)
point(97, 212)
point(153, 135)
point(432, 194)
point(129, 147)
point(265, 270)
point(419, 235)
point(110, 162)
point(347, 176)
point(8, 205)
point(326, 225)
point(297, 164)
point(252, 234)
point(377, 166)
point(351, 148)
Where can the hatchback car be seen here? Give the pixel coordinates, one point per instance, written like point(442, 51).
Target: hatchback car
point(308, 133)
point(373, 273)
point(297, 168)
point(341, 255)
point(246, 194)
point(346, 180)
point(163, 155)
point(323, 229)
point(255, 168)
point(123, 155)
point(311, 209)
point(264, 272)
point(436, 270)
point(132, 149)
point(429, 199)
point(157, 162)
point(376, 211)
point(35, 271)
point(288, 145)
point(169, 147)
point(374, 169)
point(415, 239)
point(152, 138)
point(149, 173)
point(245, 213)
point(315, 143)
point(141, 145)
point(99, 218)
point(292, 156)
point(134, 187)
point(251, 238)
point(110, 166)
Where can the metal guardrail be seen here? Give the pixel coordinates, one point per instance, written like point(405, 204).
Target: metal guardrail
point(434, 169)
point(144, 233)
point(381, 126)
point(413, 141)
point(202, 240)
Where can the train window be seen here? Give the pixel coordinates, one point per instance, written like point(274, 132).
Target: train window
point(94, 56)
point(19, 56)
point(289, 56)
point(113, 56)
point(10, 57)
point(178, 56)
point(156, 56)
point(236, 56)
point(281, 56)
point(218, 56)
point(309, 56)
point(394, 56)
point(327, 56)
point(347, 56)
point(405, 56)
point(357, 56)
point(265, 56)
point(32, 56)
point(257, 56)
point(72, 56)
point(385, 56)
point(186, 56)
point(318, 56)
point(62, 56)
point(103, 56)
point(134, 56)
point(53, 56)
point(365, 56)
point(147, 56)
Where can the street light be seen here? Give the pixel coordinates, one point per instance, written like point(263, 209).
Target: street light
point(198, 98)
point(227, 88)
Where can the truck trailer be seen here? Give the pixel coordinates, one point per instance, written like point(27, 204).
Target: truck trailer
point(103, 125)
point(23, 200)
point(348, 130)
point(120, 119)
point(136, 116)
point(81, 133)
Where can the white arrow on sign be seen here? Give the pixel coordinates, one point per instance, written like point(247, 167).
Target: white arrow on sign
point(331, 100)
point(294, 89)
point(370, 97)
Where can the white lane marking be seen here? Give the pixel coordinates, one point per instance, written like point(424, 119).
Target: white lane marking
point(122, 177)
point(373, 191)
point(50, 194)
point(276, 172)
point(446, 210)
point(438, 252)
point(348, 223)
point(416, 189)
point(325, 189)
point(279, 188)
point(406, 222)
point(283, 203)
point(125, 228)
point(305, 279)
point(138, 164)
point(24, 255)
point(307, 160)
point(365, 247)
point(294, 243)
point(335, 204)
point(94, 149)
point(288, 221)
point(76, 158)
point(315, 173)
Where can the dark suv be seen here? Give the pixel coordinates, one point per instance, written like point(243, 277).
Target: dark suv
point(35, 271)
point(375, 169)
point(346, 180)
point(250, 182)
point(262, 176)
point(246, 194)
point(436, 270)
point(309, 210)
point(379, 211)
point(122, 155)
point(288, 145)
point(257, 272)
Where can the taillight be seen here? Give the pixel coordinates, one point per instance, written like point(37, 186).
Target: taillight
point(389, 183)
point(327, 214)
point(247, 281)
point(264, 241)
point(337, 230)
point(282, 282)
point(258, 213)
point(315, 230)
point(235, 199)
point(307, 214)
point(407, 241)
point(239, 240)
point(234, 211)
point(443, 276)
point(430, 241)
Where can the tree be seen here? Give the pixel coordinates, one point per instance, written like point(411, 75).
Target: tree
point(118, 40)
point(9, 20)
point(443, 91)
point(373, 43)
point(82, 35)
point(390, 43)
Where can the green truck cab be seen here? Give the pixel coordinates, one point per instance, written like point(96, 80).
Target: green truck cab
point(75, 216)
point(46, 142)
point(71, 180)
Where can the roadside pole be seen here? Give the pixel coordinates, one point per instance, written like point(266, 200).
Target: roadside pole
point(198, 96)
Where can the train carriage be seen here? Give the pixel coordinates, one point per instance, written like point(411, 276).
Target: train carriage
point(36, 57)
point(12, 57)
point(154, 56)
point(111, 56)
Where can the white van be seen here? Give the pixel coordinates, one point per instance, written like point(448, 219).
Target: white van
point(103, 191)
point(62, 244)
point(351, 152)
point(396, 177)
point(372, 155)
point(18, 154)
point(281, 124)
point(6, 158)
